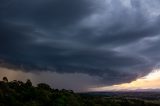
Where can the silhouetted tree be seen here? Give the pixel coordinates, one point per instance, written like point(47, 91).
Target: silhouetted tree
point(28, 83)
point(17, 93)
point(5, 79)
point(43, 86)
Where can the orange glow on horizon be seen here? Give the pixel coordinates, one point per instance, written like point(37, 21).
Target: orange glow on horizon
point(150, 81)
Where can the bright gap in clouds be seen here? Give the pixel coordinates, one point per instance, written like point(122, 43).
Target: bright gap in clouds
point(150, 81)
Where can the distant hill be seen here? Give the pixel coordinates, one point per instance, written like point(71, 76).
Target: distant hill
point(18, 93)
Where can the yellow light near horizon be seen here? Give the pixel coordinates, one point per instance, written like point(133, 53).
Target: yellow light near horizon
point(153, 75)
point(150, 81)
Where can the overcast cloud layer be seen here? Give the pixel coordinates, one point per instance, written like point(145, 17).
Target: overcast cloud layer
point(115, 40)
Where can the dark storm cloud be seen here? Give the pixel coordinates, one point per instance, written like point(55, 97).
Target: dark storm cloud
point(80, 36)
point(57, 13)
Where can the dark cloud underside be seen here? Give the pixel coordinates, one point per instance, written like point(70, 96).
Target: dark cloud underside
point(114, 40)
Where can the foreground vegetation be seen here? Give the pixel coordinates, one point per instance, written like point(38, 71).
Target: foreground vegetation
point(18, 93)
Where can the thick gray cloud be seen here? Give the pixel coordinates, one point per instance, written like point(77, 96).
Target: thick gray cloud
point(114, 40)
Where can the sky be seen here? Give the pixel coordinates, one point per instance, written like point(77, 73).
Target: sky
point(150, 82)
point(81, 45)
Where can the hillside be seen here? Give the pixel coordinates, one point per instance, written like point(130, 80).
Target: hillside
point(18, 93)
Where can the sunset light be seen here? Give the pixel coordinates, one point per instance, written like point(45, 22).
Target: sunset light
point(150, 81)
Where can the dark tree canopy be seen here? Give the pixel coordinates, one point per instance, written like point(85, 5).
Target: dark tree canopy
point(5, 79)
point(18, 93)
point(43, 86)
point(28, 83)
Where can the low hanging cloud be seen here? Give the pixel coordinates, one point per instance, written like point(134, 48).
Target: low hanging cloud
point(114, 40)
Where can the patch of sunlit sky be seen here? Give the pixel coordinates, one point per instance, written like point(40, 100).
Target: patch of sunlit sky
point(150, 81)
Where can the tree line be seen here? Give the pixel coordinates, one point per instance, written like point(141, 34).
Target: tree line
point(18, 93)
